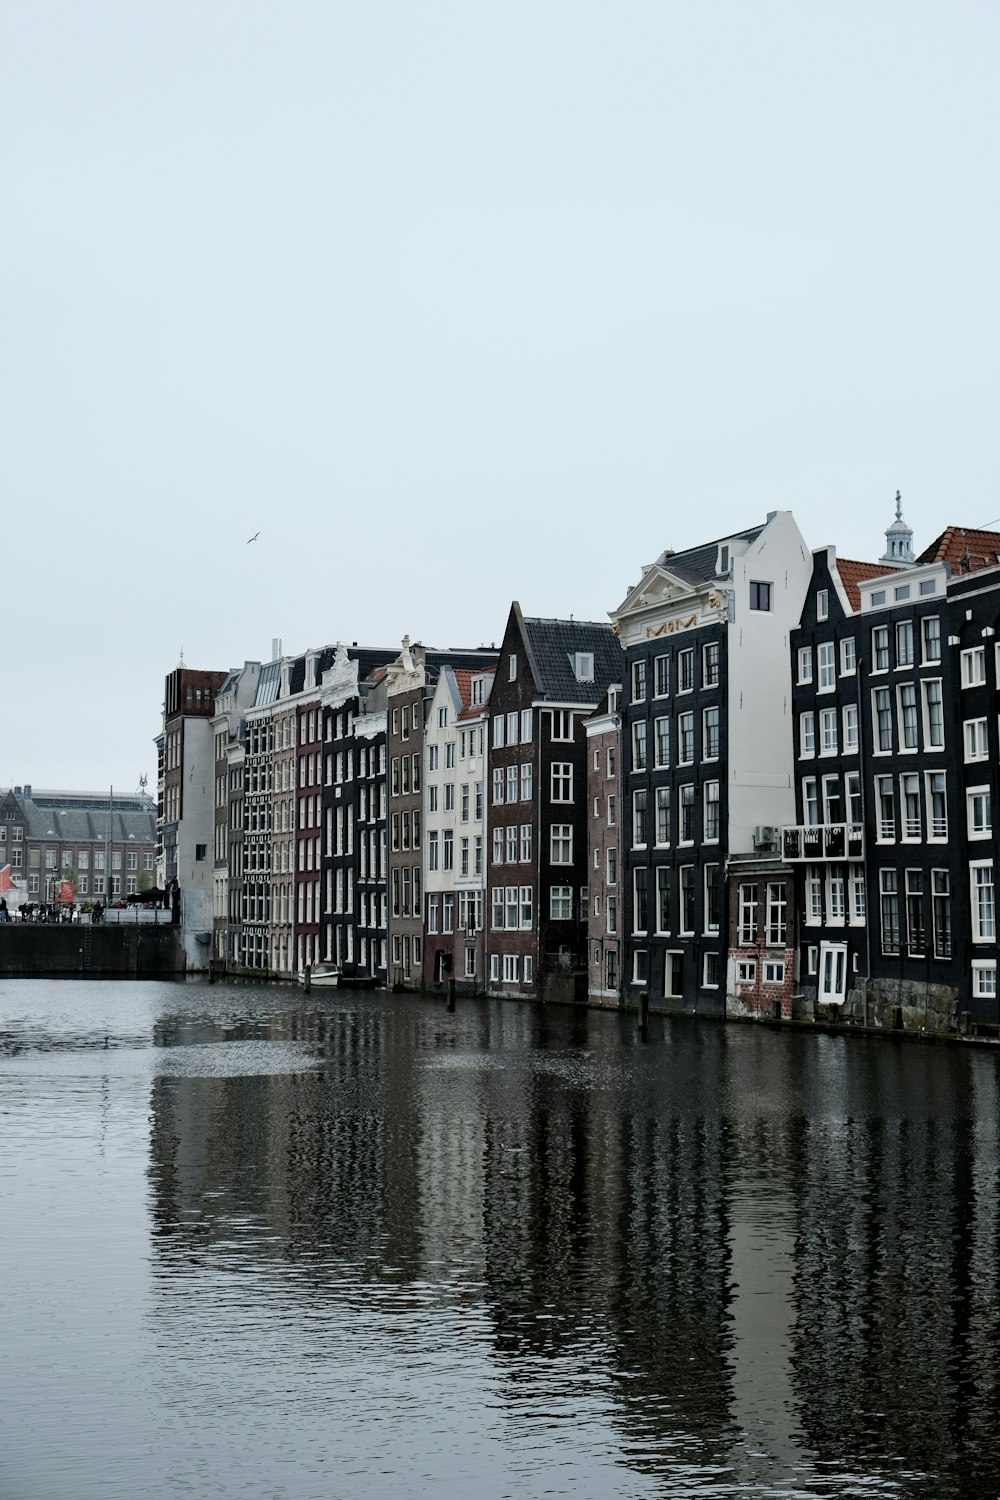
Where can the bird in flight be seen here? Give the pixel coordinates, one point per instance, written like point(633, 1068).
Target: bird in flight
point(253, 538)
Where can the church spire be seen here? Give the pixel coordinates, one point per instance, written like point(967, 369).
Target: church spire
point(898, 538)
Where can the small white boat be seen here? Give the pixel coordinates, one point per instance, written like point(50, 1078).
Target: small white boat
point(324, 976)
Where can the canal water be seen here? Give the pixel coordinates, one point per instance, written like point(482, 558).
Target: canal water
point(260, 1244)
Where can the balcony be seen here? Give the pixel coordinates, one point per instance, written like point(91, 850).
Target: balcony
point(826, 842)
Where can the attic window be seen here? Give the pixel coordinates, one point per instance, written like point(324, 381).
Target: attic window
point(723, 567)
point(512, 668)
point(478, 690)
point(583, 666)
point(878, 596)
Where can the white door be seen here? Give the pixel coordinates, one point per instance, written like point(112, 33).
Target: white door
point(833, 973)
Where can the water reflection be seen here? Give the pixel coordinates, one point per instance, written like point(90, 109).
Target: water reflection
point(513, 1249)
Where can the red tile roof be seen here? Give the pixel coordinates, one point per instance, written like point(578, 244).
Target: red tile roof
point(964, 548)
point(852, 574)
point(463, 680)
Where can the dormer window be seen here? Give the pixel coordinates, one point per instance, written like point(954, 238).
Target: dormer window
point(478, 690)
point(583, 666)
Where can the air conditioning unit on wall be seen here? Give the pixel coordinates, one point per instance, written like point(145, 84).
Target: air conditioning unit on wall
point(765, 836)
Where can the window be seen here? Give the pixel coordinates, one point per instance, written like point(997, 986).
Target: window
point(511, 843)
point(687, 899)
point(612, 804)
point(937, 806)
point(907, 695)
point(713, 898)
point(611, 860)
point(498, 726)
point(512, 668)
point(432, 913)
point(974, 667)
point(822, 604)
point(930, 632)
point(904, 643)
point(562, 781)
point(639, 809)
point(661, 729)
point(807, 735)
point(933, 714)
point(810, 801)
point(562, 724)
point(974, 736)
point(805, 664)
point(983, 910)
point(826, 667)
point(498, 784)
point(640, 913)
point(612, 915)
point(510, 968)
point(661, 676)
point(710, 664)
point(984, 979)
point(850, 714)
point(828, 731)
point(662, 795)
point(638, 681)
point(748, 914)
point(746, 971)
point(880, 648)
point(760, 596)
point(813, 894)
point(858, 897)
point(432, 755)
point(640, 966)
point(525, 780)
point(776, 914)
point(685, 828)
point(774, 971)
point(836, 896)
point(560, 903)
point(885, 802)
point(685, 671)
point(848, 657)
point(639, 745)
point(882, 714)
point(710, 734)
point(915, 941)
point(449, 912)
point(448, 850)
point(662, 898)
point(978, 812)
point(909, 788)
point(889, 901)
point(710, 794)
point(525, 843)
point(685, 739)
point(611, 761)
point(561, 844)
point(941, 912)
point(583, 666)
point(852, 792)
point(710, 972)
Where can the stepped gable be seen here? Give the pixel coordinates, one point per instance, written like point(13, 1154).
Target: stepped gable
point(853, 574)
point(553, 645)
point(965, 549)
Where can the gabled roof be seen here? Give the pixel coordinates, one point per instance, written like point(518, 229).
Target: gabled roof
point(853, 574)
point(553, 645)
point(700, 564)
point(965, 549)
point(463, 681)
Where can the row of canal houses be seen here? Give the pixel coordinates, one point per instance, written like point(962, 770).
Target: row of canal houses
point(765, 788)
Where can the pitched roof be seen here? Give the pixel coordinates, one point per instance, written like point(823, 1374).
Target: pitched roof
point(853, 574)
point(699, 564)
point(554, 644)
point(966, 549)
point(463, 681)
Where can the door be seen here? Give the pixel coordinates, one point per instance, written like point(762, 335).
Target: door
point(833, 973)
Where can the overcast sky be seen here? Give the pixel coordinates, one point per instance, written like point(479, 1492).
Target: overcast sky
point(456, 303)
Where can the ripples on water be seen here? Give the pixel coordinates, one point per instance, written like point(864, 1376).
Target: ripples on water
point(255, 1244)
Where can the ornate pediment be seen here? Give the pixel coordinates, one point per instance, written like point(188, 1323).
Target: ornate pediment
point(663, 603)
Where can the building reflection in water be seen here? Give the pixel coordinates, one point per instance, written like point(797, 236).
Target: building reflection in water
point(737, 1250)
